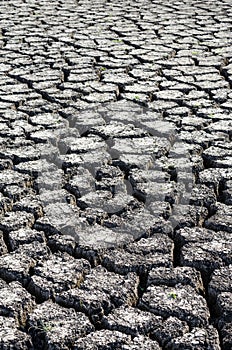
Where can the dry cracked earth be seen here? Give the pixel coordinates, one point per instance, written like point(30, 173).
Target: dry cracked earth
point(120, 113)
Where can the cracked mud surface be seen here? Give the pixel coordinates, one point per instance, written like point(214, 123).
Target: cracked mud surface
point(91, 68)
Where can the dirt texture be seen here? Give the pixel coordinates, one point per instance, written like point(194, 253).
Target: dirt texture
point(115, 175)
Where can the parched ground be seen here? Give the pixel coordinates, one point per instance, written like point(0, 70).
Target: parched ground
point(115, 175)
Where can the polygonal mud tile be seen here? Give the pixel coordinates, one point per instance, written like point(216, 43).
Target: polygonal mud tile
point(215, 177)
point(204, 249)
point(103, 338)
point(226, 335)
point(11, 337)
point(35, 250)
point(220, 281)
point(100, 292)
point(216, 156)
point(62, 243)
point(16, 266)
point(5, 204)
point(25, 236)
point(179, 301)
point(21, 154)
point(58, 273)
point(141, 256)
point(201, 195)
point(175, 276)
point(49, 120)
point(169, 329)
point(54, 327)
point(11, 177)
point(145, 222)
point(35, 167)
point(30, 204)
point(16, 220)
point(112, 340)
point(16, 193)
point(15, 302)
point(222, 220)
point(154, 145)
point(198, 338)
point(227, 193)
point(151, 192)
point(188, 215)
point(224, 307)
point(143, 343)
point(131, 321)
point(117, 129)
point(3, 246)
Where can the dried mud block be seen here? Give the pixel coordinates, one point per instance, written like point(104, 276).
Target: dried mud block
point(218, 157)
point(80, 183)
point(202, 196)
point(215, 178)
point(222, 220)
point(169, 329)
point(227, 193)
point(141, 256)
point(199, 137)
point(100, 292)
point(54, 196)
point(21, 154)
point(185, 276)
point(62, 243)
point(95, 158)
point(16, 266)
point(135, 322)
point(15, 220)
point(49, 120)
point(30, 204)
point(93, 254)
point(117, 130)
point(143, 343)
point(204, 249)
point(180, 301)
point(35, 250)
point(15, 302)
point(74, 144)
point(160, 209)
point(5, 163)
point(188, 215)
point(56, 274)
point(152, 192)
point(53, 327)
point(199, 338)
point(112, 340)
point(16, 193)
point(226, 335)
point(35, 167)
point(220, 281)
point(94, 303)
point(131, 321)
point(224, 307)
point(103, 339)
point(3, 246)
point(146, 145)
point(11, 177)
point(6, 204)
point(11, 337)
point(145, 223)
point(25, 236)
